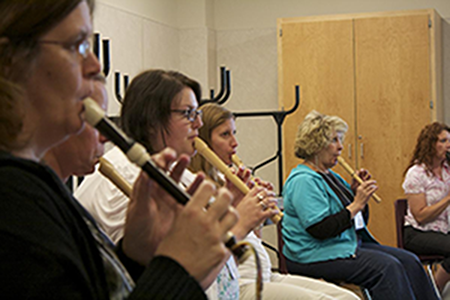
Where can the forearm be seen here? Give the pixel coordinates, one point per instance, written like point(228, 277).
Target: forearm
point(429, 213)
point(331, 226)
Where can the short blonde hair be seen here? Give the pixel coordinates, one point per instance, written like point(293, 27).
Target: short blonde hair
point(315, 133)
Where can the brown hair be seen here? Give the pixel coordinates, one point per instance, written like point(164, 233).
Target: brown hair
point(213, 116)
point(425, 148)
point(22, 23)
point(147, 104)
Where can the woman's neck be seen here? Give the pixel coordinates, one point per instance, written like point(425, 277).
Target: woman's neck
point(315, 166)
point(51, 160)
point(436, 167)
point(27, 153)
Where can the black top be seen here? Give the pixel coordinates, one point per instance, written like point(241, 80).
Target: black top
point(335, 224)
point(52, 249)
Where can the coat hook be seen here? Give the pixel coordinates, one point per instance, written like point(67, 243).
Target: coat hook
point(106, 57)
point(105, 52)
point(224, 88)
point(96, 45)
point(228, 88)
point(117, 86)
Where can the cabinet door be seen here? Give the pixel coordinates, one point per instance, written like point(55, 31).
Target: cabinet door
point(318, 56)
point(392, 102)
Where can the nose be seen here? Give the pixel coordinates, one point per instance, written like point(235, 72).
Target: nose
point(91, 65)
point(197, 122)
point(234, 142)
point(102, 139)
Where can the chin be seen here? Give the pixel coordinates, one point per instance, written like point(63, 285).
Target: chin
point(78, 127)
point(191, 153)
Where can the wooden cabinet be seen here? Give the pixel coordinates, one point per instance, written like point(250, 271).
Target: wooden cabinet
point(381, 73)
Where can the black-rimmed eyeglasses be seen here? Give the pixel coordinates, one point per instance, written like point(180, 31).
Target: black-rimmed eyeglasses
point(190, 113)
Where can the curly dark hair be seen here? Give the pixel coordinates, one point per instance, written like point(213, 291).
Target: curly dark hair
point(425, 148)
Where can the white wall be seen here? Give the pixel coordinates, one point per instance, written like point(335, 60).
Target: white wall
point(160, 11)
point(197, 36)
point(246, 14)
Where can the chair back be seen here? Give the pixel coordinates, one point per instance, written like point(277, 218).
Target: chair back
point(401, 206)
point(281, 258)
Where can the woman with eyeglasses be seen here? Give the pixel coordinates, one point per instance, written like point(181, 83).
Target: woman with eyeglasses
point(324, 222)
point(160, 109)
point(219, 132)
point(51, 247)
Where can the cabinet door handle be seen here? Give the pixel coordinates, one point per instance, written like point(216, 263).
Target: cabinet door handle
point(361, 146)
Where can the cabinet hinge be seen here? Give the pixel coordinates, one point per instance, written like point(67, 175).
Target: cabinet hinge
point(430, 23)
point(281, 32)
point(431, 104)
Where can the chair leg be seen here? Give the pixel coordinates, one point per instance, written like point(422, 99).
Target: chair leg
point(429, 268)
point(366, 294)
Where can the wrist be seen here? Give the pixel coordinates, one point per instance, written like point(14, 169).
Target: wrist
point(239, 232)
point(354, 208)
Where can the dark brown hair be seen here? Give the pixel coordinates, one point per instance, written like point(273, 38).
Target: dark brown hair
point(425, 149)
point(147, 104)
point(22, 23)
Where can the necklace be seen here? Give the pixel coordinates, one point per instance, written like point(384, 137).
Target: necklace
point(314, 166)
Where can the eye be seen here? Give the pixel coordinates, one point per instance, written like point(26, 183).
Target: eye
point(73, 46)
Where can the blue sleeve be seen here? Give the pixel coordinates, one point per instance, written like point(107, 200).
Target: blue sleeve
point(310, 199)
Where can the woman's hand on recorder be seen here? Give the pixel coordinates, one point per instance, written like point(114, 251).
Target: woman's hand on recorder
point(151, 210)
point(364, 175)
point(244, 174)
point(265, 184)
point(363, 194)
point(255, 208)
point(196, 240)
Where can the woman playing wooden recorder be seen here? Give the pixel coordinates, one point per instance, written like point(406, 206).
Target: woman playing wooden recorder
point(160, 109)
point(219, 132)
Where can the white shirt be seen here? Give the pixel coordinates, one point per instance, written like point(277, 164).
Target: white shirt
point(108, 205)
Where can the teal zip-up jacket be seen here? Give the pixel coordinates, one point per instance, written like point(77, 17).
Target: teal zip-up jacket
point(308, 199)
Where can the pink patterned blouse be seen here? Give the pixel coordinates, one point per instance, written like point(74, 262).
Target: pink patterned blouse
point(417, 181)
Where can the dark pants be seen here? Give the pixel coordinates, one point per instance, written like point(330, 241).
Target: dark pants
point(388, 273)
point(429, 243)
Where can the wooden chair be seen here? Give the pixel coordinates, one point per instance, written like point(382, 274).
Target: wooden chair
point(281, 258)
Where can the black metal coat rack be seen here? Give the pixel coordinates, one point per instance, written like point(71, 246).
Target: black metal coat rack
point(225, 89)
point(222, 96)
point(105, 59)
point(279, 117)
